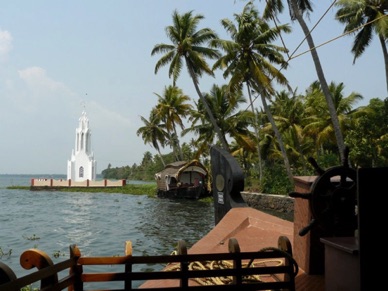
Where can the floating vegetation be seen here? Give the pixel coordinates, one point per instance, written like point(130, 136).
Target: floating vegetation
point(148, 189)
point(2, 253)
point(29, 288)
point(58, 254)
point(33, 237)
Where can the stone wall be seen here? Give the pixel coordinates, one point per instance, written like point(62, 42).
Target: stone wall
point(278, 205)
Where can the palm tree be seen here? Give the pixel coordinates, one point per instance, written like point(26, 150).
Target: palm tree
point(171, 107)
point(187, 47)
point(368, 139)
point(319, 125)
point(153, 132)
point(249, 58)
point(289, 114)
point(297, 8)
point(366, 17)
point(233, 123)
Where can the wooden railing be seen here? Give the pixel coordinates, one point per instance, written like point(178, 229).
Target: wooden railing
point(242, 266)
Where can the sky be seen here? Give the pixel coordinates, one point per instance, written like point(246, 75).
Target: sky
point(59, 58)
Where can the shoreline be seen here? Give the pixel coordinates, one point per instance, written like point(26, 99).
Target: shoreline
point(277, 205)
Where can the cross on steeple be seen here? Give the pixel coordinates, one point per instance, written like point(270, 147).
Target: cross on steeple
point(83, 103)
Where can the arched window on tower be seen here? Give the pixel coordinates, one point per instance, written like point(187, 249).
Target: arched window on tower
point(87, 143)
point(82, 141)
point(81, 172)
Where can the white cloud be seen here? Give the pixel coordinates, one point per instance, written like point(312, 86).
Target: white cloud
point(5, 44)
point(37, 80)
point(39, 91)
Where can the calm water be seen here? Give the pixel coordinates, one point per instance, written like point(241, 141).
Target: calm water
point(98, 223)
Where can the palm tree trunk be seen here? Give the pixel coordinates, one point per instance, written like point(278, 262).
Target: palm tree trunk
point(161, 158)
point(208, 111)
point(257, 134)
point(279, 138)
point(173, 144)
point(385, 54)
point(178, 145)
point(321, 77)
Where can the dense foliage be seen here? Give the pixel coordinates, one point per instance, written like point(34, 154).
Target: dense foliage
point(146, 171)
point(365, 131)
point(275, 141)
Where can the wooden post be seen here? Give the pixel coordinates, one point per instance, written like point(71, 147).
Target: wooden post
point(77, 269)
point(6, 274)
point(284, 245)
point(182, 250)
point(234, 248)
point(128, 266)
point(35, 258)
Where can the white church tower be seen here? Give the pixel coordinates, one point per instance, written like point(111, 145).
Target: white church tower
point(82, 165)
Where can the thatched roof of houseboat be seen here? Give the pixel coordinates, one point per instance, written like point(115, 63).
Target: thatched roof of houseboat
point(176, 168)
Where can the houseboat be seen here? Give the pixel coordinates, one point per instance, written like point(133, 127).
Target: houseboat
point(183, 179)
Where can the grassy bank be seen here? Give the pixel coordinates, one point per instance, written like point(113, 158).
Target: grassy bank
point(134, 189)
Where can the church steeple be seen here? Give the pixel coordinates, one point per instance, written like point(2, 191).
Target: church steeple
point(83, 135)
point(82, 165)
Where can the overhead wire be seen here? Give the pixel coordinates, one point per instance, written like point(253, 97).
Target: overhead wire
point(338, 37)
point(315, 26)
point(293, 56)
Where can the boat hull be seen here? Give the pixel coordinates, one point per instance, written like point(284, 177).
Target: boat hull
point(184, 193)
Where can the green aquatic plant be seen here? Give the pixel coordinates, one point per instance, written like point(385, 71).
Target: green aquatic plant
point(29, 288)
point(2, 253)
point(58, 254)
point(33, 237)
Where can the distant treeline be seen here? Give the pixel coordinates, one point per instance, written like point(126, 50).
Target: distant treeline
point(146, 171)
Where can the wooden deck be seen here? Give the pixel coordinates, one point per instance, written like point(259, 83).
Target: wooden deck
point(305, 282)
point(254, 230)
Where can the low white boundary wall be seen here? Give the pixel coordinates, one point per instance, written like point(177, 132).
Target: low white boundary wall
point(70, 183)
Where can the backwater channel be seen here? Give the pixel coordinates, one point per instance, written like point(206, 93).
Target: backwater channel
point(98, 223)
